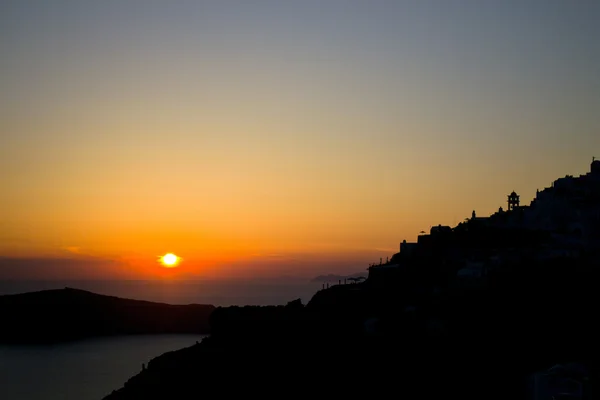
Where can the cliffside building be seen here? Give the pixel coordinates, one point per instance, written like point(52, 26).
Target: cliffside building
point(407, 249)
point(561, 221)
point(513, 201)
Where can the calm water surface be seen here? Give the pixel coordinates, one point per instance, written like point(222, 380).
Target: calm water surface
point(85, 370)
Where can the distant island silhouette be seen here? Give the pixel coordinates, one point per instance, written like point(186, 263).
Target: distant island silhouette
point(70, 314)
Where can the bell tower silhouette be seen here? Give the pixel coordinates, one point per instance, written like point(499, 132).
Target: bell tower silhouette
point(513, 201)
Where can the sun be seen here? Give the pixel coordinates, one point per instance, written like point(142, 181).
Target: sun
point(170, 260)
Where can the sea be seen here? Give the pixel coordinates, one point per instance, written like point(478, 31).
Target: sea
point(84, 370)
point(217, 292)
point(91, 369)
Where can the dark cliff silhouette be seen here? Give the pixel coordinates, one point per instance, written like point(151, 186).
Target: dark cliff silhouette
point(496, 307)
point(70, 314)
point(370, 339)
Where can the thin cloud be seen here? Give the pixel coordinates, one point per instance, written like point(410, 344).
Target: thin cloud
point(58, 268)
point(386, 250)
point(73, 249)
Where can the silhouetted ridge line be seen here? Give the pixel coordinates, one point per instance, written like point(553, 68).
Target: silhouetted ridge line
point(69, 314)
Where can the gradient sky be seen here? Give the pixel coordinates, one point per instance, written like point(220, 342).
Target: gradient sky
point(261, 138)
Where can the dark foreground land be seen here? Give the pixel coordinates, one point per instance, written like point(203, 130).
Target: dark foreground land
point(70, 314)
point(383, 338)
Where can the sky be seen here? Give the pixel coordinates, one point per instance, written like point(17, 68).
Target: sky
point(270, 138)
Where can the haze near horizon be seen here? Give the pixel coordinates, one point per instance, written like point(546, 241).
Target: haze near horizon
point(264, 138)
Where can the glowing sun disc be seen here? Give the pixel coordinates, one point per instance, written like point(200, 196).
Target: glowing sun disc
point(169, 260)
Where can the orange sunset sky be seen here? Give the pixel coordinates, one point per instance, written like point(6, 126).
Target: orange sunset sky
point(277, 138)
